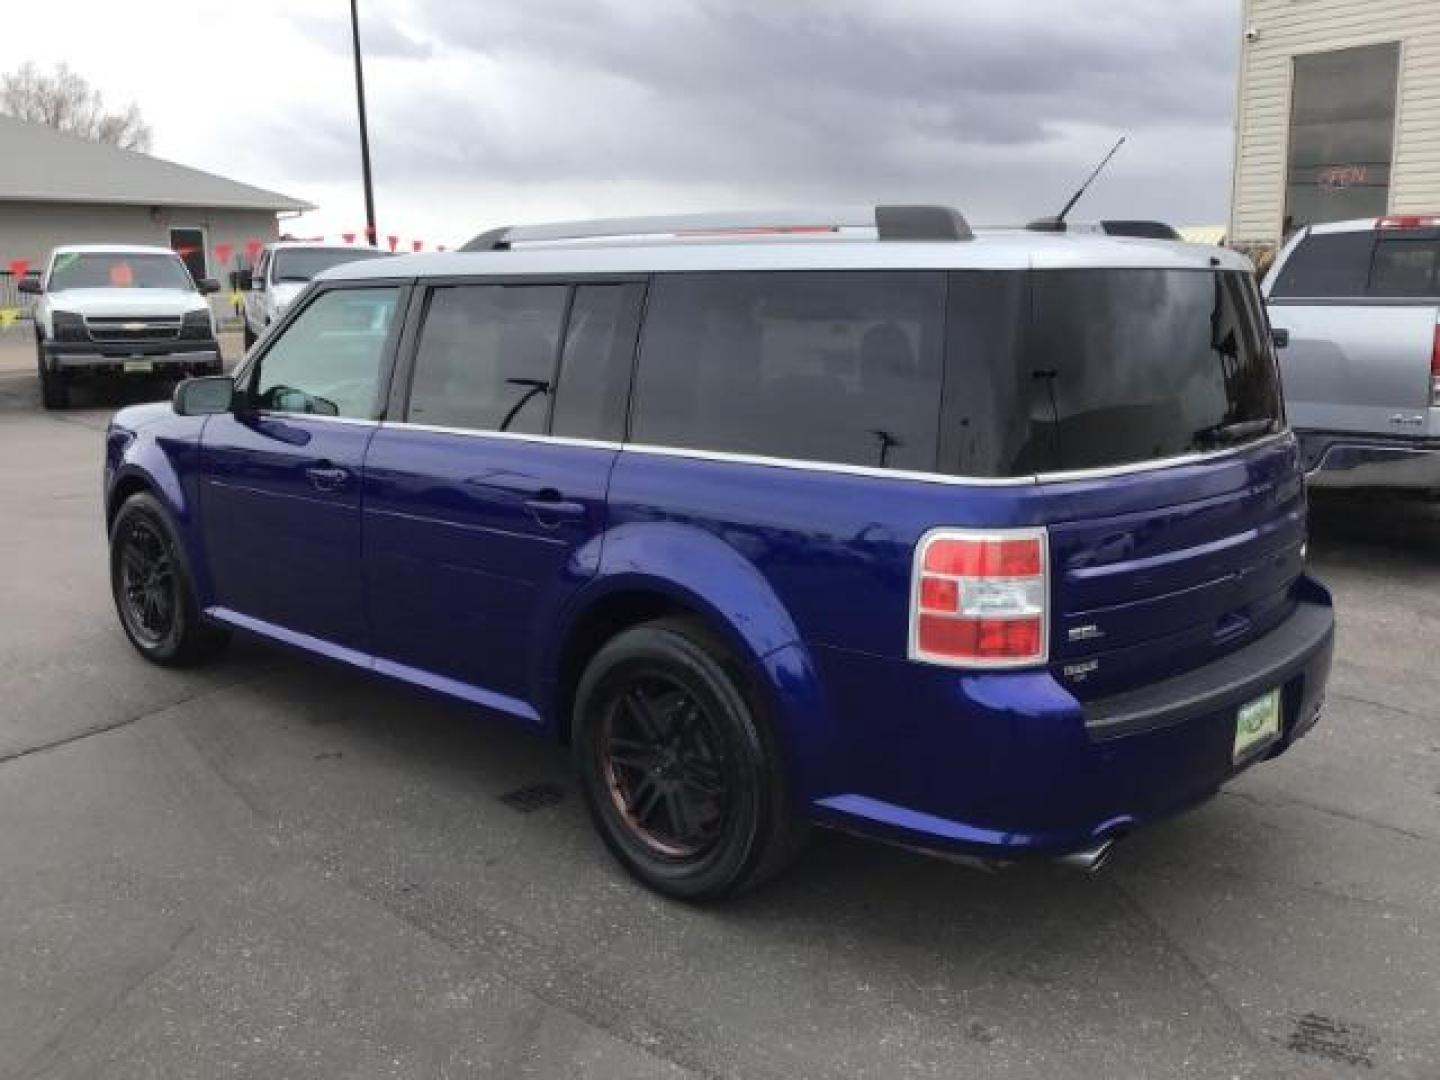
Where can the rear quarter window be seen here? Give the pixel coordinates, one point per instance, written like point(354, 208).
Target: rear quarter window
point(831, 366)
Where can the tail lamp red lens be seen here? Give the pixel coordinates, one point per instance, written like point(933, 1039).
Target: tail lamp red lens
point(980, 599)
point(1435, 371)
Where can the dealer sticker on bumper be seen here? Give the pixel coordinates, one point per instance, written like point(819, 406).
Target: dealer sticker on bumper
point(1257, 723)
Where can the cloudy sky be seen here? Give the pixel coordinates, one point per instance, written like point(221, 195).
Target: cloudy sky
point(487, 112)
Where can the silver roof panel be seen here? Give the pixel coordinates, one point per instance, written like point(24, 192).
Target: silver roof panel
point(990, 250)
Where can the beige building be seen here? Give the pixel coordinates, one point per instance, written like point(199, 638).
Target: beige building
point(1338, 114)
point(59, 189)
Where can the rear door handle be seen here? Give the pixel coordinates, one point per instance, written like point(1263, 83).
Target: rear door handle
point(550, 508)
point(327, 477)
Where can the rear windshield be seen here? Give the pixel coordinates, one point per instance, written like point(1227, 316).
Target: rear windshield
point(302, 264)
point(1135, 365)
point(99, 270)
point(974, 373)
point(1387, 264)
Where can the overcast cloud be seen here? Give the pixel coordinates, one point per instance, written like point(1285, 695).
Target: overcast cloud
point(485, 113)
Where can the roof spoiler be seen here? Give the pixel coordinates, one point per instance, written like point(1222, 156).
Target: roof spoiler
point(889, 222)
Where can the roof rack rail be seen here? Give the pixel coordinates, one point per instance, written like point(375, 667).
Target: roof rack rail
point(888, 223)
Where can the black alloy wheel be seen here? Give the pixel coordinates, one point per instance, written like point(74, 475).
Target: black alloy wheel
point(147, 581)
point(665, 769)
point(680, 770)
point(152, 587)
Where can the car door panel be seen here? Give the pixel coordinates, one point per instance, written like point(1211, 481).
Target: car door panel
point(469, 541)
point(281, 505)
point(281, 477)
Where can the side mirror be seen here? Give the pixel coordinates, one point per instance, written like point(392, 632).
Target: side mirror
point(208, 285)
point(240, 279)
point(204, 396)
point(1280, 336)
point(29, 285)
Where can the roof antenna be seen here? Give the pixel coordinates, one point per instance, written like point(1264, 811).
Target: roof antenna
point(1057, 223)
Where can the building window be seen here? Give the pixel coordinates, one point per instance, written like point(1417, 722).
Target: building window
point(189, 244)
point(1342, 134)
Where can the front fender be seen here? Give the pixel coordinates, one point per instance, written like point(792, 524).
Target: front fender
point(162, 459)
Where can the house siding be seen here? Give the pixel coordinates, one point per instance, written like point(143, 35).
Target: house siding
point(1288, 28)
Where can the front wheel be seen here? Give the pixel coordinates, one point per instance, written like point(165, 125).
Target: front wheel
point(681, 775)
point(154, 596)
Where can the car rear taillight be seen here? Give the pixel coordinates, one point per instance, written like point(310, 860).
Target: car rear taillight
point(1435, 372)
point(1408, 221)
point(979, 599)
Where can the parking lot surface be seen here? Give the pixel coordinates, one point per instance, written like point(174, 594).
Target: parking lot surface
point(274, 868)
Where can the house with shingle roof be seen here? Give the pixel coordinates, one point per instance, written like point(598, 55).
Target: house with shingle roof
point(57, 188)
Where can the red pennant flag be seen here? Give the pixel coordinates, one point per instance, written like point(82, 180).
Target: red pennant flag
point(370, 233)
point(252, 249)
point(348, 237)
point(186, 249)
point(223, 253)
point(394, 242)
point(416, 245)
point(18, 267)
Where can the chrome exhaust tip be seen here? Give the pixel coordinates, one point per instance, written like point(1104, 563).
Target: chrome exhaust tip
point(1089, 861)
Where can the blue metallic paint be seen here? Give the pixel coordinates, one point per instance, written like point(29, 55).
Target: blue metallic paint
point(467, 592)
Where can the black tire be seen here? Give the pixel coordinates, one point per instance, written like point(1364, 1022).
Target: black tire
point(153, 590)
point(54, 390)
point(688, 790)
point(246, 333)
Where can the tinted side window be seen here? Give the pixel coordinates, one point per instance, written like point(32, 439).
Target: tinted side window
point(1406, 267)
point(594, 383)
point(841, 366)
point(486, 358)
point(1327, 264)
point(327, 362)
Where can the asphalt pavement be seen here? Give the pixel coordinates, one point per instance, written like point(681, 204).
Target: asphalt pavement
point(274, 868)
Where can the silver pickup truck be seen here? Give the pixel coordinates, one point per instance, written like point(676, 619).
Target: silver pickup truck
point(1359, 302)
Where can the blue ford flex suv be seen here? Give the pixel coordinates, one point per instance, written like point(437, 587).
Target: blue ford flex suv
point(989, 544)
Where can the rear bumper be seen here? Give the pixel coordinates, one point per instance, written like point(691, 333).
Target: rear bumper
point(170, 357)
point(1354, 460)
point(1017, 767)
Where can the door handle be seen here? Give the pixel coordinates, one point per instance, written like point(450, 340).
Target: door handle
point(550, 508)
point(327, 477)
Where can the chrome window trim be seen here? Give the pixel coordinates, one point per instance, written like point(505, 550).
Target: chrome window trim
point(277, 414)
point(504, 436)
point(1063, 477)
point(835, 467)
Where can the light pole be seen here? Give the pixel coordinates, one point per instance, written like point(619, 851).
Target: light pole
point(370, 232)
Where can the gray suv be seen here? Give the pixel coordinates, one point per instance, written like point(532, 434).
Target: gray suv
point(1359, 302)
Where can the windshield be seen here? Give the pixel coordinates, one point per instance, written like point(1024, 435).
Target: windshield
point(1118, 367)
point(105, 270)
point(302, 264)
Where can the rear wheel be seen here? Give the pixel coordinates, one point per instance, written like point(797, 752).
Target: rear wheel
point(152, 587)
point(681, 775)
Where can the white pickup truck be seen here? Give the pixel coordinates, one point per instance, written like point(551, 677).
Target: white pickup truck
point(114, 310)
point(283, 269)
point(1360, 304)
